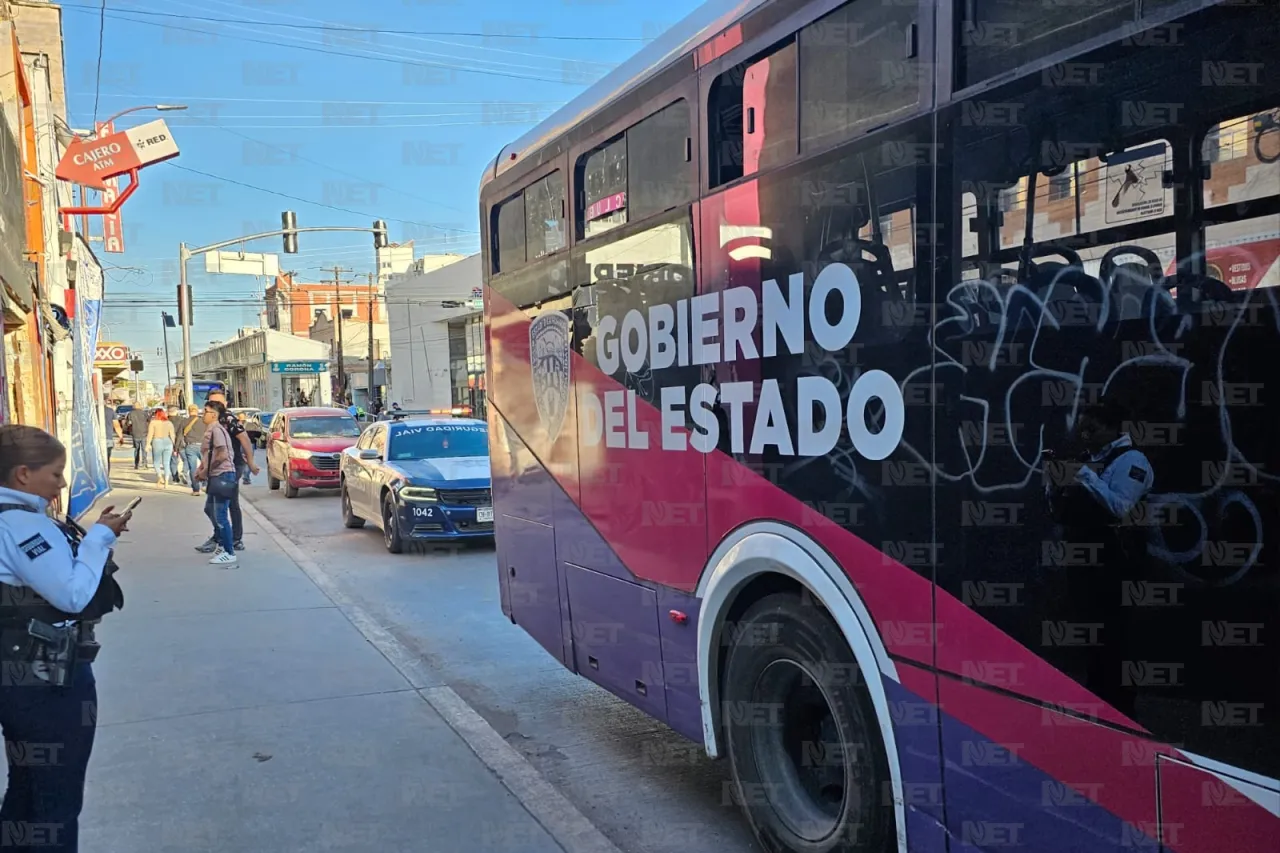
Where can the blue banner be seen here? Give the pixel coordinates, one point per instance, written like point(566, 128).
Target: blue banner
point(89, 449)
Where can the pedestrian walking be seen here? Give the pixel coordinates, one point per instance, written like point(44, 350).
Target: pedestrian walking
point(115, 435)
point(55, 580)
point(218, 469)
point(139, 419)
point(179, 419)
point(242, 456)
point(242, 469)
point(160, 438)
point(190, 439)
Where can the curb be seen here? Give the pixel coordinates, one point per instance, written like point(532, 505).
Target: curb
point(566, 825)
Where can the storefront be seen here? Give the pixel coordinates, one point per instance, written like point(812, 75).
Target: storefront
point(466, 362)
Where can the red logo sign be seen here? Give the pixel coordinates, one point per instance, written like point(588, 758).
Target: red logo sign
point(90, 162)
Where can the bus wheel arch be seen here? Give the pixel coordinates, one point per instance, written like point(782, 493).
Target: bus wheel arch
point(762, 559)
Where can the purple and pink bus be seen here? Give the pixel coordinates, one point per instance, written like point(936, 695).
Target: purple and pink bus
point(848, 415)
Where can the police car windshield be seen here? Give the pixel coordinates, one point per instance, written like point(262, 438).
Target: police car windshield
point(438, 442)
point(323, 427)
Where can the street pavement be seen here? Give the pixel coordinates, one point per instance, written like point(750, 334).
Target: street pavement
point(647, 789)
point(243, 709)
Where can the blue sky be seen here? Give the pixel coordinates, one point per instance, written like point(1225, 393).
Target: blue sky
point(390, 125)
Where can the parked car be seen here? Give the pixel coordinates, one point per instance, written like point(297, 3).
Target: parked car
point(420, 479)
point(260, 428)
point(304, 448)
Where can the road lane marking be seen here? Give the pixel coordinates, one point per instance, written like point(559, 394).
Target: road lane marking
point(568, 826)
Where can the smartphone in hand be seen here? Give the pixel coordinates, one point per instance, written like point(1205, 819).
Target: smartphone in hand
point(133, 504)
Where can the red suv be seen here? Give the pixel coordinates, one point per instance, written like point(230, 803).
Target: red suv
point(305, 447)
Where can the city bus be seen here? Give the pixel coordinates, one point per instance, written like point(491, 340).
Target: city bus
point(804, 325)
point(201, 391)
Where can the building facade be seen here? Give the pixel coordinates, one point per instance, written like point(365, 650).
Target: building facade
point(437, 340)
point(266, 369)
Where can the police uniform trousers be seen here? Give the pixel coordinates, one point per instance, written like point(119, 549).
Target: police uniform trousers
point(48, 737)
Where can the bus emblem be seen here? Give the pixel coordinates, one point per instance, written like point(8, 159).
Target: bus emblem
point(549, 359)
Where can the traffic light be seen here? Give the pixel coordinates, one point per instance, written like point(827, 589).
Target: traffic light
point(379, 234)
point(288, 224)
point(184, 306)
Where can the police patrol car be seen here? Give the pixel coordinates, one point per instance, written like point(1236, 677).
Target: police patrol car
point(420, 476)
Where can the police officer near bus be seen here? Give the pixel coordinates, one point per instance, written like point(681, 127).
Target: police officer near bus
point(1095, 501)
point(56, 580)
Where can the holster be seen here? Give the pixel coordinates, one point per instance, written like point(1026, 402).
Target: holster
point(38, 654)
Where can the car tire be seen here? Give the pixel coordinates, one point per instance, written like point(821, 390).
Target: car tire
point(391, 526)
point(290, 490)
point(272, 483)
point(349, 518)
point(789, 657)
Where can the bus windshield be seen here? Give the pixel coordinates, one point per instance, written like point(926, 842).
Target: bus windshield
point(439, 442)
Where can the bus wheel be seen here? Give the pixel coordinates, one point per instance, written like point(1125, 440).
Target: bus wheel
point(801, 733)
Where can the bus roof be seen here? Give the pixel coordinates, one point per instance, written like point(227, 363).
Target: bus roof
point(700, 25)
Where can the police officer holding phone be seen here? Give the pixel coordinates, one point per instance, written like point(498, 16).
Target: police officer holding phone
point(56, 580)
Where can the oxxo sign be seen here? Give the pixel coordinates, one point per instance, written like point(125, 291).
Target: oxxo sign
point(111, 353)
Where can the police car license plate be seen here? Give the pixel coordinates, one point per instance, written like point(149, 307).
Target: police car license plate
point(484, 513)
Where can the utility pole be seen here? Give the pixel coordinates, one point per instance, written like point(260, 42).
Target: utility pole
point(370, 386)
point(289, 231)
point(337, 327)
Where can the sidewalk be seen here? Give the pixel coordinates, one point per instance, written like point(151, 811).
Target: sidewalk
point(239, 710)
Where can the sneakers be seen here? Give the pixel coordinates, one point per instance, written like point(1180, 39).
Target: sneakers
point(209, 546)
point(222, 558)
point(239, 545)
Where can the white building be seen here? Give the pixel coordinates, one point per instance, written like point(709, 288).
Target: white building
point(437, 342)
point(267, 369)
point(398, 259)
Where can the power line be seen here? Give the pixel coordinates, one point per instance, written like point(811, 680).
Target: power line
point(173, 165)
point(378, 30)
point(394, 61)
point(97, 77)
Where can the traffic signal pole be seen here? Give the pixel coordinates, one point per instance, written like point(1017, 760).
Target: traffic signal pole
point(379, 232)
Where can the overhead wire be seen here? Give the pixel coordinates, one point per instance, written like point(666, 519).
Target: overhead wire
point(354, 29)
point(97, 77)
point(380, 30)
point(372, 58)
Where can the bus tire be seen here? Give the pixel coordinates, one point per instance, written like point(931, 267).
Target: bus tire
point(804, 744)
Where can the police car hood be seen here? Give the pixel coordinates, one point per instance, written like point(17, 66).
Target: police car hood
point(450, 472)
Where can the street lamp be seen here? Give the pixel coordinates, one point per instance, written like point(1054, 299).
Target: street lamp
point(164, 108)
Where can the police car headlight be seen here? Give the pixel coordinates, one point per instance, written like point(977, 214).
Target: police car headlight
point(299, 453)
point(418, 493)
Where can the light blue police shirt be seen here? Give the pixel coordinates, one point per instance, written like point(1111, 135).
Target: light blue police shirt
point(1122, 483)
point(34, 553)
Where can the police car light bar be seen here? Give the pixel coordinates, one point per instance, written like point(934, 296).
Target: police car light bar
point(455, 411)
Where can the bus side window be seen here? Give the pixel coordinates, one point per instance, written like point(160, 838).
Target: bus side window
point(509, 224)
point(751, 114)
point(858, 68)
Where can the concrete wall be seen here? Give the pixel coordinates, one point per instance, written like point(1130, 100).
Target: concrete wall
point(40, 31)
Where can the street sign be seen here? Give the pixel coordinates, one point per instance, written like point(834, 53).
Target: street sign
point(90, 162)
point(299, 366)
point(152, 142)
point(242, 263)
point(112, 228)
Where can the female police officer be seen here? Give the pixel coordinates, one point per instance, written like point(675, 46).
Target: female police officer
point(51, 574)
